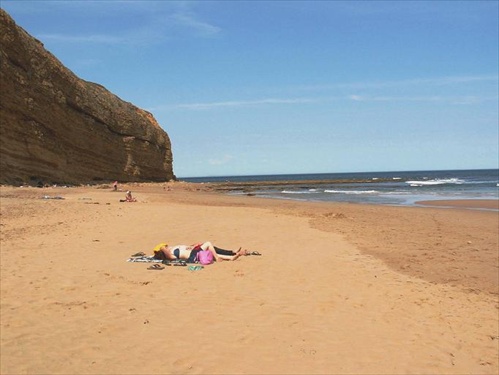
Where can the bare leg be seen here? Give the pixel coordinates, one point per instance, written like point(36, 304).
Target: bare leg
point(209, 246)
point(229, 257)
point(218, 257)
point(242, 251)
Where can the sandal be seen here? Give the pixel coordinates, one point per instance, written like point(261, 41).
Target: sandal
point(175, 263)
point(155, 267)
point(195, 268)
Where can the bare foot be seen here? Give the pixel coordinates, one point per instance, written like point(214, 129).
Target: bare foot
point(242, 251)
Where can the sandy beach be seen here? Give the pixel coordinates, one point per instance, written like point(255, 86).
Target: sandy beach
point(338, 289)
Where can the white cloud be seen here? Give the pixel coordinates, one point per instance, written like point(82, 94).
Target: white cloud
point(366, 98)
point(450, 80)
point(200, 28)
point(435, 81)
point(357, 98)
point(238, 103)
point(465, 99)
point(158, 22)
point(98, 39)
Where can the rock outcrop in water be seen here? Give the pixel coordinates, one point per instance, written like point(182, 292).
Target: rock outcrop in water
point(58, 128)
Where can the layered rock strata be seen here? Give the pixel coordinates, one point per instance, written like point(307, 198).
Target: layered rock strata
point(58, 128)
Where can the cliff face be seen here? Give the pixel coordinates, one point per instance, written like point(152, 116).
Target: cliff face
point(57, 128)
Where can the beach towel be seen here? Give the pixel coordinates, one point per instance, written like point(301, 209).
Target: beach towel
point(144, 259)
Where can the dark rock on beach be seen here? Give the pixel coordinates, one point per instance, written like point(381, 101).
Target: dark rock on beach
point(58, 128)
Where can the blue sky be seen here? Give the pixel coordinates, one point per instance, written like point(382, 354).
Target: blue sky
point(271, 87)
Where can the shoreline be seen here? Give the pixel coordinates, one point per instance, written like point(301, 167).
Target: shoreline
point(418, 282)
point(247, 188)
point(488, 204)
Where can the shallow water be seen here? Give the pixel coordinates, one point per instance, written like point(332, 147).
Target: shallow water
point(392, 188)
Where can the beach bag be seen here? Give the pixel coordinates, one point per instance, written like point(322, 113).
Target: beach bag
point(205, 257)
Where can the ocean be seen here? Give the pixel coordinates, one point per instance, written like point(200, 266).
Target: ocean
point(389, 188)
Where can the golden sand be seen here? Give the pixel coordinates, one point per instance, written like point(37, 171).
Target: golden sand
point(340, 288)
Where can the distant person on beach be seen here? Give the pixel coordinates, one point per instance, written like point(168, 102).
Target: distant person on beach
point(115, 185)
point(128, 197)
point(164, 252)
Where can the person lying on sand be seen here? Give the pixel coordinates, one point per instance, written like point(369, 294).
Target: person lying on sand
point(164, 252)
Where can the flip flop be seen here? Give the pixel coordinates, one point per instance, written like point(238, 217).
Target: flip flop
point(195, 268)
point(155, 267)
point(175, 263)
point(255, 253)
point(140, 254)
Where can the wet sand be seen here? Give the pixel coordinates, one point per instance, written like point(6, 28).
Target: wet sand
point(340, 288)
point(489, 204)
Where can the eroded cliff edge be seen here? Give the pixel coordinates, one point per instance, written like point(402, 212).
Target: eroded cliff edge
point(58, 128)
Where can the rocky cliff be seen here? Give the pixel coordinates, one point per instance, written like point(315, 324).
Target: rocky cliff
point(58, 128)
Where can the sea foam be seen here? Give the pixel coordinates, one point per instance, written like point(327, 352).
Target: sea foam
point(454, 181)
point(355, 192)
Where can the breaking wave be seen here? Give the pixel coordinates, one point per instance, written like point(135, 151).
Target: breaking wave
point(447, 181)
point(354, 192)
point(310, 191)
